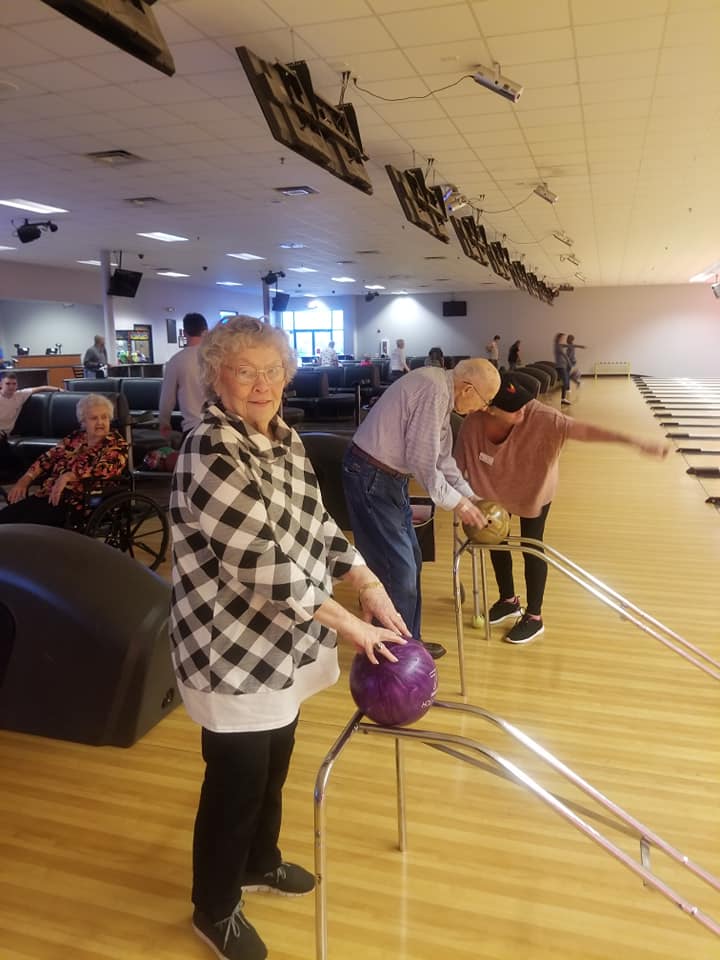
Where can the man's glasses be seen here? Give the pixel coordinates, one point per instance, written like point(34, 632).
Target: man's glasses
point(485, 403)
point(247, 376)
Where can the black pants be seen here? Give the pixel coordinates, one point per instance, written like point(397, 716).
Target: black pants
point(535, 568)
point(564, 378)
point(34, 510)
point(237, 826)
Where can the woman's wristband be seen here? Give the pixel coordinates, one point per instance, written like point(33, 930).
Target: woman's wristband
point(372, 585)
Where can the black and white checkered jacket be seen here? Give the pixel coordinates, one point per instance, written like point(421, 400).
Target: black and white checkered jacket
point(254, 555)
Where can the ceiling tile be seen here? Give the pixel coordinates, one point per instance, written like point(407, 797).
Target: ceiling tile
point(117, 67)
point(610, 91)
point(383, 65)
point(618, 66)
point(497, 17)
point(16, 51)
point(318, 11)
point(550, 73)
point(24, 11)
point(457, 57)
point(58, 76)
point(624, 109)
point(421, 27)
point(625, 36)
point(218, 19)
point(693, 27)
point(540, 98)
point(550, 116)
point(166, 90)
point(542, 45)
point(591, 11)
point(202, 56)
point(364, 35)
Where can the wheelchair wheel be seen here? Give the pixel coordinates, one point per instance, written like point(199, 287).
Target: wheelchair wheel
point(133, 523)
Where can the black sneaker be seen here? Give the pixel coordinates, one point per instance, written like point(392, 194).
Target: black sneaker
point(288, 879)
point(232, 938)
point(525, 630)
point(436, 650)
point(503, 610)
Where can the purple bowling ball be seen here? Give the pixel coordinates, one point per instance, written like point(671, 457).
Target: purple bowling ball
point(395, 694)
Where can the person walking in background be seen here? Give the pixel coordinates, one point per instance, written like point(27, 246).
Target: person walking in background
point(95, 360)
point(570, 349)
point(514, 360)
point(510, 453)
point(435, 358)
point(407, 433)
point(181, 386)
point(560, 358)
point(398, 360)
point(492, 350)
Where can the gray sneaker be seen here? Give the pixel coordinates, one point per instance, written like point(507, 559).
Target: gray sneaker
point(288, 879)
point(233, 938)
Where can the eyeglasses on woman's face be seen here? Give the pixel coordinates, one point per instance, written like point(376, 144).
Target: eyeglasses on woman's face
point(248, 375)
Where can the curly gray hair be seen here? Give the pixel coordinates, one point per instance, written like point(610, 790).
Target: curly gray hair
point(232, 336)
point(92, 400)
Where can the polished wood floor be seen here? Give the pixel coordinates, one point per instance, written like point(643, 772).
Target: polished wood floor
point(95, 842)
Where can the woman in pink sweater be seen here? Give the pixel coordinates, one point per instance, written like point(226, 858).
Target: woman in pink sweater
point(510, 453)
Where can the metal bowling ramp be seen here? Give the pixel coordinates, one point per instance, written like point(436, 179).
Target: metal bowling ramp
point(472, 752)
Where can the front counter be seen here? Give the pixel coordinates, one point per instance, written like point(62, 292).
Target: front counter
point(59, 366)
point(30, 377)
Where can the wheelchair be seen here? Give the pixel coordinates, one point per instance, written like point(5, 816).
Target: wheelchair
point(115, 513)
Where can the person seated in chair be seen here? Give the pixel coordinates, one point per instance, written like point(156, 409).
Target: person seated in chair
point(95, 451)
point(12, 401)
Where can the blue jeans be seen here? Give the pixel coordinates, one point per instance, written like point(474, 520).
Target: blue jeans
point(381, 518)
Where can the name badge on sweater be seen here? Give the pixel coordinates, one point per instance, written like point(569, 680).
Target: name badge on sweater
point(486, 458)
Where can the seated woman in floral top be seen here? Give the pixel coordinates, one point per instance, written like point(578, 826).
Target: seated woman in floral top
point(93, 452)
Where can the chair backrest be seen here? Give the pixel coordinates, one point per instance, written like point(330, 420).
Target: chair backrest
point(416, 362)
point(142, 393)
point(384, 369)
point(536, 381)
point(32, 419)
point(325, 452)
point(335, 376)
point(357, 373)
point(104, 385)
point(62, 416)
point(548, 366)
point(310, 383)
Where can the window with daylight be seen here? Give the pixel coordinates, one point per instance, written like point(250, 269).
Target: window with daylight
point(311, 330)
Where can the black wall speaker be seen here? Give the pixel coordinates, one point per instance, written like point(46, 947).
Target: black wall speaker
point(171, 327)
point(280, 301)
point(84, 651)
point(454, 308)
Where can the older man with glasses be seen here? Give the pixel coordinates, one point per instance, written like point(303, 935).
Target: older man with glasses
point(407, 433)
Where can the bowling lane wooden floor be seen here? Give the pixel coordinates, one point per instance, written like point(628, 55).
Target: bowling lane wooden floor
point(95, 845)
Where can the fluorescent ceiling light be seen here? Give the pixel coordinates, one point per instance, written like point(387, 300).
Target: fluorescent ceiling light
point(300, 191)
point(244, 256)
point(8, 248)
point(709, 273)
point(165, 237)
point(302, 270)
point(94, 263)
point(562, 237)
point(227, 283)
point(343, 279)
point(581, 277)
point(374, 286)
point(292, 246)
point(172, 273)
point(698, 278)
point(32, 206)
point(398, 293)
point(542, 190)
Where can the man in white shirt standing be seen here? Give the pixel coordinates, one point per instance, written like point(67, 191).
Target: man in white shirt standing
point(181, 379)
point(11, 403)
point(398, 360)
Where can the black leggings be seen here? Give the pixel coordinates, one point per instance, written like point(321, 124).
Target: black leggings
point(535, 568)
point(238, 819)
point(564, 377)
point(34, 509)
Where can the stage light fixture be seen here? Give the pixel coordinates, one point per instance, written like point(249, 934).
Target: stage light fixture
point(371, 294)
point(27, 232)
point(715, 287)
point(571, 258)
point(562, 237)
point(542, 190)
point(272, 276)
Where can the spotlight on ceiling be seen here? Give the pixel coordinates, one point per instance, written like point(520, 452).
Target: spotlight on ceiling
point(715, 287)
point(571, 258)
point(542, 190)
point(452, 198)
point(562, 237)
point(371, 294)
point(492, 79)
point(272, 276)
point(27, 232)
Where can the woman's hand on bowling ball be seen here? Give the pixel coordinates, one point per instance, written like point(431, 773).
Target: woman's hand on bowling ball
point(375, 642)
point(377, 605)
point(470, 515)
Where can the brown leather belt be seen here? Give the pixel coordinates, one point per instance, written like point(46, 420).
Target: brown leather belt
point(376, 463)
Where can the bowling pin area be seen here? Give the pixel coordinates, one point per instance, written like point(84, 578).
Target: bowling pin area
point(558, 802)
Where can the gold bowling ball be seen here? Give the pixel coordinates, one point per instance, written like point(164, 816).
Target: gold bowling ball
point(498, 524)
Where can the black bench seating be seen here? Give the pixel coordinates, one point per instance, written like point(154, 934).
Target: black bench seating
point(541, 376)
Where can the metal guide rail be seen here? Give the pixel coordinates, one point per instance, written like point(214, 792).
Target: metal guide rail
point(553, 558)
point(471, 751)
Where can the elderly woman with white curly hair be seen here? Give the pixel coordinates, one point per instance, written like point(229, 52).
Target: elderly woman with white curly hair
point(253, 621)
point(95, 451)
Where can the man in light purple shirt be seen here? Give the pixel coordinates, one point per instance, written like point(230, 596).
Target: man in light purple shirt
point(407, 433)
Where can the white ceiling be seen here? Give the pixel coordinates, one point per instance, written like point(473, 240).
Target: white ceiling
point(620, 115)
